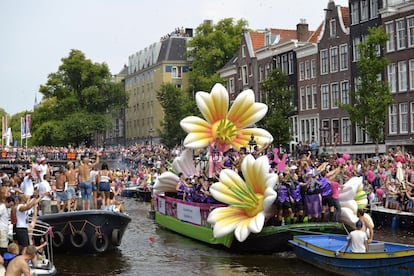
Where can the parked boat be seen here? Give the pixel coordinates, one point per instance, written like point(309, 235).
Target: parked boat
point(325, 252)
point(190, 219)
point(130, 190)
point(144, 194)
point(391, 218)
point(93, 231)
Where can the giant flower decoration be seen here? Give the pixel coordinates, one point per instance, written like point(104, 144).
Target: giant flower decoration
point(248, 200)
point(222, 127)
point(351, 198)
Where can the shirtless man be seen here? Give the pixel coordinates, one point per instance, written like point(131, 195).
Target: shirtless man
point(71, 174)
point(367, 226)
point(85, 183)
point(61, 194)
point(19, 265)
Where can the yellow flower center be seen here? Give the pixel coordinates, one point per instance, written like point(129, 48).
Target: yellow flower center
point(224, 131)
point(252, 211)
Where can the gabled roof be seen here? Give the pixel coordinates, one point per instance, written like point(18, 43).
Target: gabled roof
point(257, 40)
point(314, 37)
point(345, 16)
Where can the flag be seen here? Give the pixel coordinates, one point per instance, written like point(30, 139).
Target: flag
point(28, 118)
point(3, 127)
point(22, 128)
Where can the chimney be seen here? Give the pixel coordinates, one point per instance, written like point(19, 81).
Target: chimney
point(302, 30)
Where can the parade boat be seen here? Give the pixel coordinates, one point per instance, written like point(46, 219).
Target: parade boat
point(130, 190)
point(92, 231)
point(190, 219)
point(391, 218)
point(326, 252)
point(144, 194)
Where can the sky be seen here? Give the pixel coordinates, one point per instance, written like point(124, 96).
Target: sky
point(36, 34)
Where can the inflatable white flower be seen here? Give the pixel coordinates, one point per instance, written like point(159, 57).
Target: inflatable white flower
point(351, 198)
point(222, 127)
point(167, 181)
point(248, 200)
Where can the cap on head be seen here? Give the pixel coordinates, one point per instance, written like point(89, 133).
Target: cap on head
point(358, 224)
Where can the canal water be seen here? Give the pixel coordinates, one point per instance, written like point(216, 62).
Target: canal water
point(147, 249)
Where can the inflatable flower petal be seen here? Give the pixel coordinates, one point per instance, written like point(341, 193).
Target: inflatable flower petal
point(185, 164)
point(222, 127)
point(166, 182)
point(249, 200)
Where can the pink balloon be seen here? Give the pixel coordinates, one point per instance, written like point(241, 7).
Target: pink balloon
point(340, 161)
point(346, 156)
point(371, 176)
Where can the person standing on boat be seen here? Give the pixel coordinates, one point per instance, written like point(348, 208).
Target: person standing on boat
point(366, 225)
point(61, 195)
point(85, 184)
point(93, 176)
point(284, 206)
point(5, 204)
point(45, 191)
point(357, 239)
point(72, 186)
point(22, 234)
point(326, 192)
point(103, 178)
point(27, 186)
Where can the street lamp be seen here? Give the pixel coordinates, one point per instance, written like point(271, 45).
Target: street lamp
point(252, 143)
point(151, 131)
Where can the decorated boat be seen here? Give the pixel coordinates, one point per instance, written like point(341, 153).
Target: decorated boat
point(130, 190)
point(93, 231)
point(144, 194)
point(246, 194)
point(326, 252)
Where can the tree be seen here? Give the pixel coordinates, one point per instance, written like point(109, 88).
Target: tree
point(76, 103)
point(176, 106)
point(371, 96)
point(211, 48)
point(280, 109)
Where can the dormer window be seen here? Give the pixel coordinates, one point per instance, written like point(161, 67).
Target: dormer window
point(268, 38)
point(332, 28)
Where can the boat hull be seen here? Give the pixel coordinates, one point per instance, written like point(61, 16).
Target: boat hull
point(323, 251)
point(389, 218)
point(190, 219)
point(94, 231)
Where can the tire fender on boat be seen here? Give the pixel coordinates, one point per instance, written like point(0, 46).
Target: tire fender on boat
point(58, 239)
point(116, 237)
point(99, 242)
point(78, 239)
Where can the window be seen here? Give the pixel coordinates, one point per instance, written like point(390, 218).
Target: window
point(392, 81)
point(411, 65)
point(285, 65)
point(240, 73)
point(290, 61)
point(324, 61)
point(355, 50)
point(250, 70)
point(412, 117)
point(176, 72)
point(346, 133)
point(308, 97)
point(245, 75)
point(402, 76)
point(373, 5)
point(334, 59)
point(392, 119)
point(343, 61)
point(364, 10)
point(400, 34)
point(359, 134)
point(302, 98)
point(410, 31)
point(345, 92)
point(335, 131)
point(313, 68)
point(268, 38)
point(307, 69)
point(314, 97)
point(355, 13)
point(260, 73)
point(403, 118)
point(389, 28)
point(325, 96)
point(231, 85)
point(301, 71)
point(332, 28)
point(334, 95)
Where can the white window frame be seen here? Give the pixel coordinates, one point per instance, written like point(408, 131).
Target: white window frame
point(392, 119)
point(355, 43)
point(301, 70)
point(334, 59)
point(412, 116)
point(343, 57)
point(302, 98)
point(324, 61)
point(314, 97)
point(403, 117)
point(308, 97)
point(307, 70)
point(346, 131)
point(402, 76)
point(176, 72)
point(290, 63)
point(335, 97)
point(332, 28)
point(373, 6)
point(389, 29)
point(364, 10)
point(313, 68)
point(354, 13)
point(243, 50)
point(411, 73)
point(401, 35)
point(359, 134)
point(345, 92)
point(245, 75)
point(410, 31)
point(324, 96)
point(392, 77)
point(231, 87)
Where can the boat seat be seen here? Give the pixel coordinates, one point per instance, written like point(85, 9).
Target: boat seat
point(376, 247)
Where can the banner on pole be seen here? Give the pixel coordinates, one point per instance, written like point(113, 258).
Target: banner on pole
point(22, 128)
point(3, 126)
point(28, 118)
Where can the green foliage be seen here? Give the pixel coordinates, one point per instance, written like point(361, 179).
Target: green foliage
point(211, 48)
point(76, 103)
point(2, 112)
point(278, 100)
point(372, 95)
point(176, 106)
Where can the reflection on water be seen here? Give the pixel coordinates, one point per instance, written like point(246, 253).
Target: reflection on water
point(148, 250)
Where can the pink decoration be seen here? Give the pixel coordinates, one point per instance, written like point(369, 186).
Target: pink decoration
point(282, 164)
point(340, 161)
point(399, 159)
point(276, 155)
point(371, 176)
point(346, 156)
